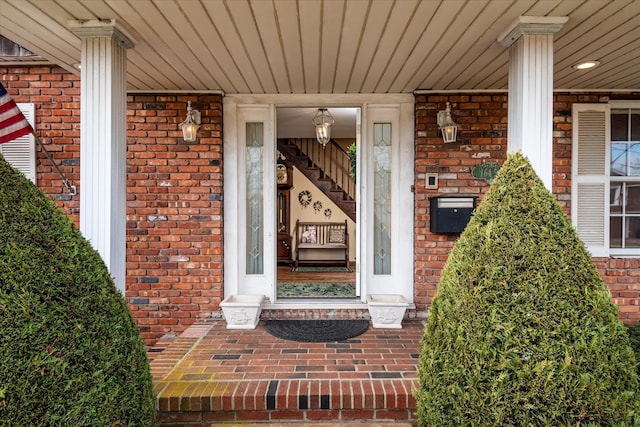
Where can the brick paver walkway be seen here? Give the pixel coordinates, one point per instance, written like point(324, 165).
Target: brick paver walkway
point(211, 374)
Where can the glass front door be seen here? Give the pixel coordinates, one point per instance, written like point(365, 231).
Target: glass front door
point(277, 219)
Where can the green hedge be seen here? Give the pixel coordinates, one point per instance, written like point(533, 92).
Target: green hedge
point(522, 330)
point(634, 338)
point(70, 352)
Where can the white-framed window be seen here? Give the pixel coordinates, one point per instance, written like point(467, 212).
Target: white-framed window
point(606, 177)
point(21, 152)
point(624, 211)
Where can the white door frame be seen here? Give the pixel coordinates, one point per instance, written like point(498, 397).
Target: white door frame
point(401, 278)
point(396, 108)
point(236, 278)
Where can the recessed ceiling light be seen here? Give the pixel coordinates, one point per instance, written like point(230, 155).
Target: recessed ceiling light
point(585, 65)
point(77, 65)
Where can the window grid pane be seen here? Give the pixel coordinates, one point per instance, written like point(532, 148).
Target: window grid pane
point(255, 199)
point(619, 125)
point(382, 198)
point(635, 125)
point(624, 188)
point(634, 159)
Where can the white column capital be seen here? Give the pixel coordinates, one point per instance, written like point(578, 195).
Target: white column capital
point(531, 25)
point(103, 28)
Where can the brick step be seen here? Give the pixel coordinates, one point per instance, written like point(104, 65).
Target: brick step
point(363, 400)
point(316, 313)
point(325, 424)
point(211, 375)
point(328, 313)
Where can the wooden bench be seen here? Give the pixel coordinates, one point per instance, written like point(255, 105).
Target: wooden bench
point(321, 243)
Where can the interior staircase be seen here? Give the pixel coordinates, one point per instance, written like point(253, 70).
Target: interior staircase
point(326, 167)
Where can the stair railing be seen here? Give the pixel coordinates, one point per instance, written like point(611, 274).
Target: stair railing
point(332, 160)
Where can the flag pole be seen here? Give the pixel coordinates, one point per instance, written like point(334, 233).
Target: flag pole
point(71, 188)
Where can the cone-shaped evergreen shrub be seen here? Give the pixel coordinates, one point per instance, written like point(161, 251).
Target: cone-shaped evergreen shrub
point(70, 352)
point(522, 331)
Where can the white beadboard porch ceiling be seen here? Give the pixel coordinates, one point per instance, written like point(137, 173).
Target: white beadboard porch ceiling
point(334, 46)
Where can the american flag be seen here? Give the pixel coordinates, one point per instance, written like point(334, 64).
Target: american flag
point(13, 124)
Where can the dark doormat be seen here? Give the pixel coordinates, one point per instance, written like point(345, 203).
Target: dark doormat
point(316, 330)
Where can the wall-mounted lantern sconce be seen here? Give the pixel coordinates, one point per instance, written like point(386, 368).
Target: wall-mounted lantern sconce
point(447, 125)
point(323, 121)
point(191, 125)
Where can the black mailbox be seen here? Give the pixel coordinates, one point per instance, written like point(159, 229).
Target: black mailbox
point(450, 214)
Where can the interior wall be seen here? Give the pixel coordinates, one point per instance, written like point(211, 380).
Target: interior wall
point(309, 214)
point(344, 143)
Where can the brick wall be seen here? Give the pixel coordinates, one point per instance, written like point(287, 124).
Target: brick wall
point(621, 275)
point(174, 201)
point(56, 95)
point(482, 137)
point(174, 207)
point(174, 212)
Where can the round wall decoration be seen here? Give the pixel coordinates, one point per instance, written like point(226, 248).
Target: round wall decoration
point(317, 206)
point(304, 197)
point(327, 213)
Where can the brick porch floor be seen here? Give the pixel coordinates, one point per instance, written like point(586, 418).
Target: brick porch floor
point(210, 375)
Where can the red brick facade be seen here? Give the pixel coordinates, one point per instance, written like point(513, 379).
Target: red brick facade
point(175, 189)
point(174, 192)
point(56, 95)
point(482, 137)
point(174, 212)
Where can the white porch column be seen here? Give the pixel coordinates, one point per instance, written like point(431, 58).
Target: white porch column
point(103, 108)
point(530, 42)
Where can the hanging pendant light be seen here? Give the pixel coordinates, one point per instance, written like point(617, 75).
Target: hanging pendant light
point(323, 121)
point(191, 125)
